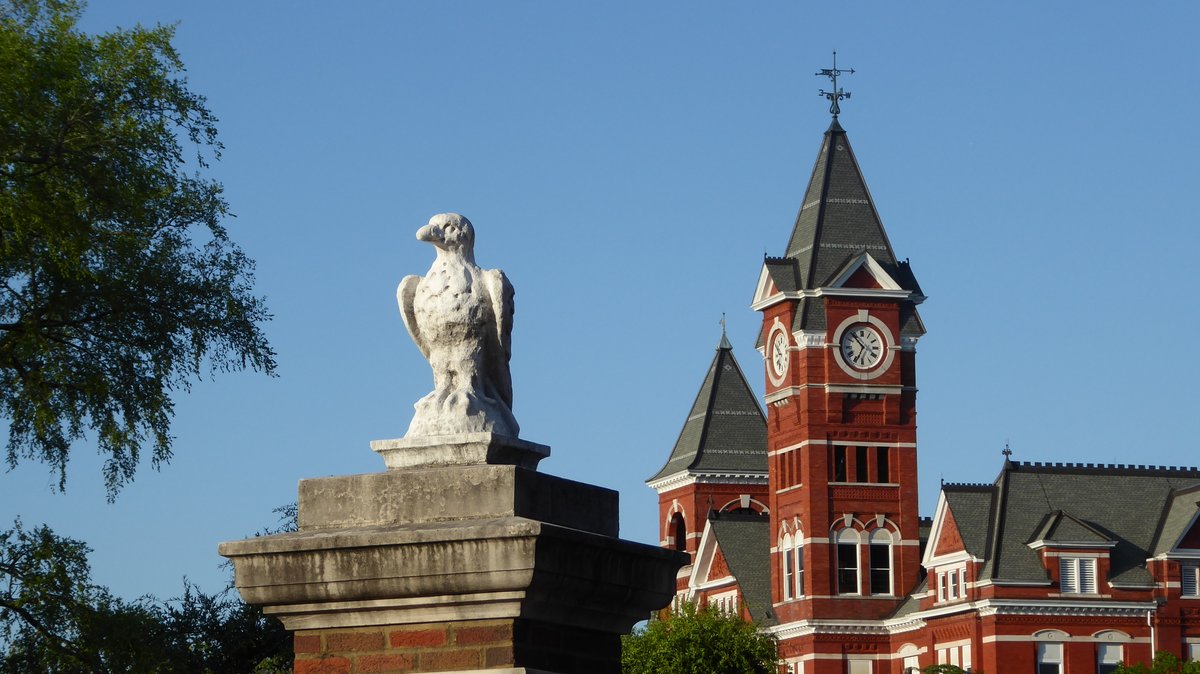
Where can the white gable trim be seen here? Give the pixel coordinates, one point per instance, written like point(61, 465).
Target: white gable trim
point(877, 272)
point(705, 552)
point(762, 295)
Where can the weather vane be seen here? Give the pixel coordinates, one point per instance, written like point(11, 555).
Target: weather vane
point(836, 94)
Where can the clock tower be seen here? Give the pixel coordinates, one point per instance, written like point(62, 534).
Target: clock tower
point(839, 335)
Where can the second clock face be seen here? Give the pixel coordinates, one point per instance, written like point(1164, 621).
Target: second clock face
point(779, 354)
point(862, 347)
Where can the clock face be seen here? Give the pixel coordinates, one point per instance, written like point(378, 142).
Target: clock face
point(862, 346)
point(779, 354)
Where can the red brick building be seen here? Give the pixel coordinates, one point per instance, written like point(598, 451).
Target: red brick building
point(805, 519)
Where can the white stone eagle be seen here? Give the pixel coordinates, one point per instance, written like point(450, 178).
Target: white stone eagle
point(460, 317)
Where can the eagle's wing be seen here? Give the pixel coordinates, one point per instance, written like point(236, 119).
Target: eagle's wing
point(405, 294)
point(501, 293)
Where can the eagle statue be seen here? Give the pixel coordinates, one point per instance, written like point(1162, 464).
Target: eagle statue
point(460, 317)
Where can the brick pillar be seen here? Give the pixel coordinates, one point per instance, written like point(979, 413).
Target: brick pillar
point(477, 567)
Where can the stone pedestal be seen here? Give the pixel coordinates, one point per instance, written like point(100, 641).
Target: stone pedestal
point(478, 567)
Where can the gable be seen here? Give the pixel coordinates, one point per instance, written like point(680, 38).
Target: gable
point(718, 569)
point(863, 271)
point(949, 540)
point(1191, 539)
point(861, 279)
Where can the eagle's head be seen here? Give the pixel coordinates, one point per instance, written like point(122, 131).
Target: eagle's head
point(450, 232)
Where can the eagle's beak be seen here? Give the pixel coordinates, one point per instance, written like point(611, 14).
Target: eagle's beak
point(430, 233)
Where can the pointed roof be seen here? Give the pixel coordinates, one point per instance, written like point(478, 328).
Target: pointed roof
point(725, 431)
point(838, 220)
point(836, 225)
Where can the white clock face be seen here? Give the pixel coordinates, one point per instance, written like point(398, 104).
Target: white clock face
point(862, 347)
point(779, 354)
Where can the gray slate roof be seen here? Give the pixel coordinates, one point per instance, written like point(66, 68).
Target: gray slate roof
point(745, 540)
point(1128, 505)
point(1179, 514)
point(838, 220)
point(725, 431)
point(836, 223)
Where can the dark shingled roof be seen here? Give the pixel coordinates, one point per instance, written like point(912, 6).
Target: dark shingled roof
point(1180, 512)
point(1061, 527)
point(971, 505)
point(1131, 506)
point(838, 220)
point(725, 431)
point(745, 541)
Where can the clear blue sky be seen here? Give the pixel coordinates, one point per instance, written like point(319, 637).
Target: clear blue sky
point(628, 164)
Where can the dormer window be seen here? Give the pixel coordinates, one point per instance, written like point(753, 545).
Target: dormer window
point(1190, 582)
point(1077, 575)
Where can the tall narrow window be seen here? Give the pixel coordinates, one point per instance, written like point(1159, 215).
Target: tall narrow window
point(1077, 575)
point(860, 464)
point(953, 584)
point(799, 567)
point(679, 532)
point(1191, 580)
point(881, 561)
point(847, 560)
point(839, 464)
point(882, 465)
point(789, 567)
point(1109, 657)
point(1049, 658)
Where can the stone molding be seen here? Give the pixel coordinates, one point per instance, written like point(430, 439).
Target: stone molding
point(462, 449)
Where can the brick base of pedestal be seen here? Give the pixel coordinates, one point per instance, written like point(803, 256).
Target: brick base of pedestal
point(495, 569)
point(514, 645)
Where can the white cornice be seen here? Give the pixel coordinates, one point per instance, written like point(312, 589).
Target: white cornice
point(1090, 545)
point(868, 293)
point(1064, 607)
point(687, 477)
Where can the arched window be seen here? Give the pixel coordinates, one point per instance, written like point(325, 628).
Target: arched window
point(881, 561)
point(847, 561)
point(1049, 658)
point(799, 555)
point(1050, 651)
point(789, 567)
point(910, 662)
point(679, 532)
point(1109, 657)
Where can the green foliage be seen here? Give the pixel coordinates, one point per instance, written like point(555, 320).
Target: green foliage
point(699, 641)
point(118, 283)
point(943, 669)
point(54, 619)
point(1164, 663)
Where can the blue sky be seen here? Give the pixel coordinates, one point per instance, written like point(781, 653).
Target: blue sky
point(628, 164)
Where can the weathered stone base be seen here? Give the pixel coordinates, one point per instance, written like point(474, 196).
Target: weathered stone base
point(483, 567)
point(491, 646)
point(462, 449)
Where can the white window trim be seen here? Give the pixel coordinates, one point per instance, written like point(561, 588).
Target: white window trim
point(1189, 580)
point(857, 544)
point(891, 546)
point(947, 593)
point(1074, 575)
